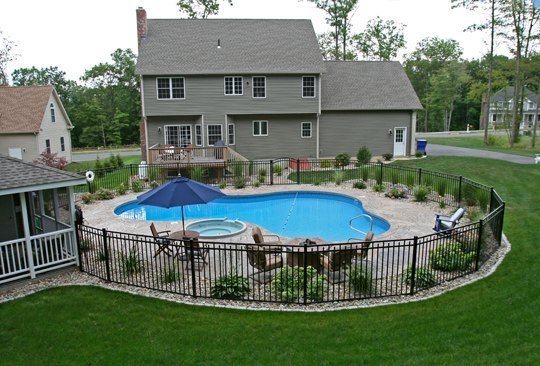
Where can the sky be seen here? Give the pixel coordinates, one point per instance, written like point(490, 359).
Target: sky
point(75, 35)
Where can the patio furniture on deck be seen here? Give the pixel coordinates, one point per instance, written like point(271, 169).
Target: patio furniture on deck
point(336, 261)
point(264, 261)
point(161, 238)
point(295, 252)
point(448, 222)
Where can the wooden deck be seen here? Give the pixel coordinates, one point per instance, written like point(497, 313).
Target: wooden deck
point(208, 156)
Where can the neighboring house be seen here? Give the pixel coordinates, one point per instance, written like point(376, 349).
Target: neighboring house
point(501, 105)
point(37, 219)
point(33, 120)
point(260, 88)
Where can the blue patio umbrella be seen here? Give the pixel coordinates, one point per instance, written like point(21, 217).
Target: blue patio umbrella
point(180, 192)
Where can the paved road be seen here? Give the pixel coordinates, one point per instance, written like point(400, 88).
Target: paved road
point(440, 150)
point(77, 157)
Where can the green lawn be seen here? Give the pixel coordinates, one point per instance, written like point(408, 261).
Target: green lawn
point(523, 147)
point(493, 321)
point(88, 165)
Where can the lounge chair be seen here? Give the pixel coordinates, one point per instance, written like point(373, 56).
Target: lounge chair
point(448, 222)
point(337, 260)
point(264, 261)
point(260, 238)
point(161, 238)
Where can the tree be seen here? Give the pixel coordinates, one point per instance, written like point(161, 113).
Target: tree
point(6, 56)
point(51, 75)
point(328, 50)
point(491, 23)
point(200, 8)
point(47, 158)
point(381, 40)
point(431, 55)
point(338, 16)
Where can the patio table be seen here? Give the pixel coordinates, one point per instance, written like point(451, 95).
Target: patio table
point(295, 252)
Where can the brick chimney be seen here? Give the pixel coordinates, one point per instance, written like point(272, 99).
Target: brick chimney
point(142, 24)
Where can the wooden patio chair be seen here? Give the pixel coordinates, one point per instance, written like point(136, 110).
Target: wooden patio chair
point(200, 253)
point(263, 261)
point(260, 238)
point(364, 247)
point(161, 238)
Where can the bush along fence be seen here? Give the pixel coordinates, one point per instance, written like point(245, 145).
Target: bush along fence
point(304, 273)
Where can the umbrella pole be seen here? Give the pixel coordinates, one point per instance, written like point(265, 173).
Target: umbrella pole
point(183, 228)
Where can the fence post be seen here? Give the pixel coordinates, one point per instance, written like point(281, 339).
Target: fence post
point(78, 241)
point(297, 171)
point(271, 172)
point(305, 271)
point(479, 244)
point(106, 254)
point(381, 164)
point(413, 269)
point(501, 223)
point(192, 262)
point(460, 184)
point(419, 176)
point(130, 170)
point(491, 200)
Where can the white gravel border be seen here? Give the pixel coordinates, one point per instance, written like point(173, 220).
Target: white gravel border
point(76, 278)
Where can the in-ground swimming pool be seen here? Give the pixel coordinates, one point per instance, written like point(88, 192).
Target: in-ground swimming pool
point(289, 214)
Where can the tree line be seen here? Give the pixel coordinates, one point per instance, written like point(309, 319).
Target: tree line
point(104, 105)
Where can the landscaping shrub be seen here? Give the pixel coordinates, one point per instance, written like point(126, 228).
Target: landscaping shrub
point(222, 185)
point(491, 140)
point(169, 275)
point(387, 156)
point(85, 245)
point(87, 198)
point(474, 214)
point(338, 178)
point(421, 193)
point(136, 185)
point(456, 193)
point(198, 173)
point(112, 162)
point(325, 164)
point(365, 173)
point(257, 184)
point(278, 169)
point(442, 204)
point(98, 169)
point(483, 199)
point(469, 195)
point(359, 185)
point(230, 287)
point(410, 178)
point(450, 257)
point(317, 181)
point(428, 180)
point(418, 154)
point(238, 168)
point(441, 187)
point(395, 178)
point(360, 279)
point(424, 278)
point(119, 161)
point(378, 188)
point(122, 189)
point(101, 256)
point(130, 263)
point(395, 192)
point(288, 284)
point(154, 184)
point(239, 182)
point(262, 172)
point(342, 160)
point(104, 194)
point(379, 176)
point(364, 155)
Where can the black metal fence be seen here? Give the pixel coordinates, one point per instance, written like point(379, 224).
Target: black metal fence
point(302, 273)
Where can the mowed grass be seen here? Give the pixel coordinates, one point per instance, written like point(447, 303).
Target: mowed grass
point(83, 166)
point(523, 147)
point(493, 321)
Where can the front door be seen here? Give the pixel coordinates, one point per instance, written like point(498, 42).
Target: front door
point(15, 152)
point(400, 141)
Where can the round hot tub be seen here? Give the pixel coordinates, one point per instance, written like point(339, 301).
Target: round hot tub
point(217, 228)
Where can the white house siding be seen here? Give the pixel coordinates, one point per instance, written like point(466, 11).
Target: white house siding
point(27, 142)
point(54, 131)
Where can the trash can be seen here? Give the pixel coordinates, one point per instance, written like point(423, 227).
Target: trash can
point(421, 146)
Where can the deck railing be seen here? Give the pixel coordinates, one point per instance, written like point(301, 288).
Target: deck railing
point(186, 155)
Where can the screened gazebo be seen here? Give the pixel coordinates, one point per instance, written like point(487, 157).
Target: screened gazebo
point(36, 219)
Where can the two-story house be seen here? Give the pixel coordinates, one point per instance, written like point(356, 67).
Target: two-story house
point(502, 103)
point(261, 88)
point(33, 120)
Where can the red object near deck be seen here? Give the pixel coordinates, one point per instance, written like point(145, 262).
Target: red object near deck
point(304, 164)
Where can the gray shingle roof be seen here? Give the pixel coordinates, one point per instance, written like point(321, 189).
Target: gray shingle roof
point(367, 85)
point(506, 94)
point(269, 46)
point(15, 173)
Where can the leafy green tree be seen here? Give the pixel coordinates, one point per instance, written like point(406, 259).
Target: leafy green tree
point(51, 75)
point(6, 56)
point(326, 44)
point(200, 8)
point(381, 40)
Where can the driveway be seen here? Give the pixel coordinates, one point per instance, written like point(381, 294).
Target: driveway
point(77, 157)
point(442, 150)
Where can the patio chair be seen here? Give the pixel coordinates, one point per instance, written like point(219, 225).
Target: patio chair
point(448, 222)
point(260, 238)
point(364, 248)
point(200, 253)
point(264, 261)
point(336, 261)
point(161, 238)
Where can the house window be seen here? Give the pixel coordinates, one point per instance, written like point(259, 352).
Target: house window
point(214, 134)
point(198, 135)
point(531, 105)
point(259, 87)
point(48, 146)
point(233, 85)
point(308, 87)
point(53, 115)
point(178, 135)
point(231, 134)
point(260, 128)
point(171, 88)
point(306, 130)
point(494, 118)
point(62, 144)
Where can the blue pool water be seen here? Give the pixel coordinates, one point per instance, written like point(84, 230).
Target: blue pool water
point(288, 214)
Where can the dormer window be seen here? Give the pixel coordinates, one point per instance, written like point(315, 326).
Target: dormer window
point(171, 88)
point(53, 115)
